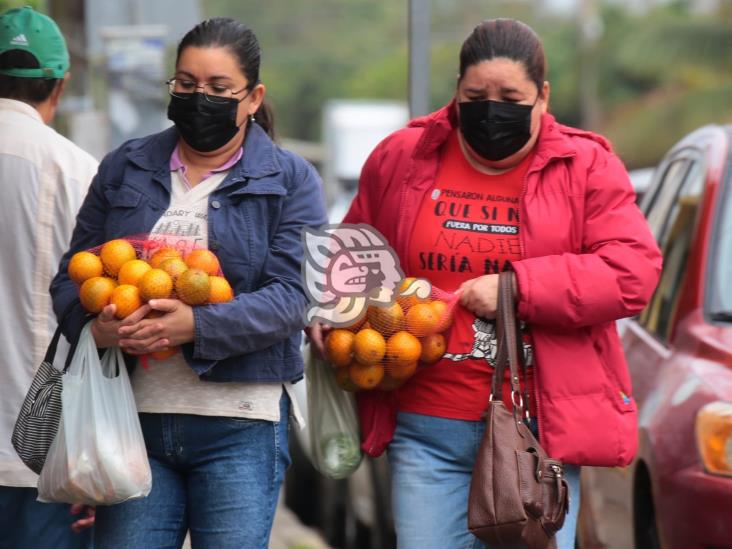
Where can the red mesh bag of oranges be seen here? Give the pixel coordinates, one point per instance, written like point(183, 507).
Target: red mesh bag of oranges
point(388, 344)
point(129, 272)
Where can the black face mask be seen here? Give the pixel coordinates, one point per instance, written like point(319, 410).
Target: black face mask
point(495, 129)
point(204, 125)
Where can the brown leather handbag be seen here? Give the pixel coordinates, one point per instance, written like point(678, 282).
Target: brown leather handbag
point(518, 495)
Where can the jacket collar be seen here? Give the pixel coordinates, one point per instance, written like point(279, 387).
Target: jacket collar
point(259, 159)
point(553, 142)
point(21, 107)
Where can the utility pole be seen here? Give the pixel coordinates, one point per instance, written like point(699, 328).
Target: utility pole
point(590, 30)
point(419, 57)
point(70, 16)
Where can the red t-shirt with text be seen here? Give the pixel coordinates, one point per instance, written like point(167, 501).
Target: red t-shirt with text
point(468, 226)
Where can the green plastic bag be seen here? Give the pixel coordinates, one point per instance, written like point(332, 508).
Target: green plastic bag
point(335, 447)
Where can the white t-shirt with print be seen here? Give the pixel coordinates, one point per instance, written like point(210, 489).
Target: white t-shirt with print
point(170, 385)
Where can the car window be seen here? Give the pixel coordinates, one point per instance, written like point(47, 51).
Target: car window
point(674, 233)
point(719, 296)
point(659, 202)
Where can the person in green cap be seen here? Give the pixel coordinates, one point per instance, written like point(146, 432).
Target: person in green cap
point(43, 180)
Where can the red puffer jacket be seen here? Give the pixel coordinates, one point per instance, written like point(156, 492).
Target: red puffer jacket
point(588, 259)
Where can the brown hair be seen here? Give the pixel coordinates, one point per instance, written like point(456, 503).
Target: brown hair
point(507, 38)
point(241, 41)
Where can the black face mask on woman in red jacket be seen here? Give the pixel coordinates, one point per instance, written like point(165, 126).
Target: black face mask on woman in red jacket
point(495, 129)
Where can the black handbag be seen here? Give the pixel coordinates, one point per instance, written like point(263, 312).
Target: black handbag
point(40, 413)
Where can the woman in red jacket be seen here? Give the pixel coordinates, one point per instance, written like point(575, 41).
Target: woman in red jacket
point(492, 182)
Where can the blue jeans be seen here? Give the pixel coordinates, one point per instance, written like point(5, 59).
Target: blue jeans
point(29, 524)
point(431, 462)
point(219, 477)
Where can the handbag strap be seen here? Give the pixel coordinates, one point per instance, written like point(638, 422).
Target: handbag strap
point(510, 348)
point(53, 345)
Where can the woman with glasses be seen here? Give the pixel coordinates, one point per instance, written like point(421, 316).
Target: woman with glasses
point(214, 416)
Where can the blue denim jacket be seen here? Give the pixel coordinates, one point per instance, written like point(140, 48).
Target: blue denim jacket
point(255, 220)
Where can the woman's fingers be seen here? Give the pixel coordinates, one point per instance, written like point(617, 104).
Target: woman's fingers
point(317, 334)
point(142, 346)
point(137, 316)
point(107, 314)
point(142, 330)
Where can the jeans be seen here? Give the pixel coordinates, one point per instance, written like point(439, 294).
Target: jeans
point(29, 524)
point(431, 462)
point(217, 476)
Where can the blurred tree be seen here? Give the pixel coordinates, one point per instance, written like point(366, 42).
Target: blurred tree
point(665, 74)
point(659, 74)
point(10, 4)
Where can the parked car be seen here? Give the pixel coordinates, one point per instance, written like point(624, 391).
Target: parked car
point(678, 491)
point(641, 179)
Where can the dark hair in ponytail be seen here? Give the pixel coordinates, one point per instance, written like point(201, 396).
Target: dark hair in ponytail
point(224, 32)
point(507, 38)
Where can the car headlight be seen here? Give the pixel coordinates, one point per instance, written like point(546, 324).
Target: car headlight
point(714, 437)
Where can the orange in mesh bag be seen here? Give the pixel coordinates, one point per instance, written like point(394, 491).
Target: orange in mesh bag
point(388, 344)
point(128, 272)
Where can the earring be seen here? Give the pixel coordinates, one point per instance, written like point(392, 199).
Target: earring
point(251, 119)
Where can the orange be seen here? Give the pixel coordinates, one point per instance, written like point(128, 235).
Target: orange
point(386, 320)
point(366, 377)
point(422, 320)
point(96, 292)
point(155, 284)
point(161, 255)
point(401, 372)
point(132, 271)
point(433, 347)
point(204, 260)
point(343, 380)
point(166, 353)
point(116, 253)
point(193, 287)
point(402, 348)
point(444, 315)
point(127, 299)
point(369, 346)
point(221, 291)
point(339, 347)
point(388, 383)
point(83, 266)
point(407, 301)
point(174, 266)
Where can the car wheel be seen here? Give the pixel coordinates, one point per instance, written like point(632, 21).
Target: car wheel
point(644, 513)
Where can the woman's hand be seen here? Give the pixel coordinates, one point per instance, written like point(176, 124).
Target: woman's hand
point(87, 520)
point(480, 295)
point(105, 327)
point(317, 333)
point(174, 327)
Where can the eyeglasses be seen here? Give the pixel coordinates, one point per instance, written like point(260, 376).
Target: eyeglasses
point(215, 93)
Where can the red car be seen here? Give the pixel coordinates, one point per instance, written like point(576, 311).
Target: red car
point(678, 491)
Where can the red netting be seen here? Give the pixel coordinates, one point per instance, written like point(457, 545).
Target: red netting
point(130, 271)
point(387, 345)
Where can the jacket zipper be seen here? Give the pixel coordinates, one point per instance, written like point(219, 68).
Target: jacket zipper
point(522, 250)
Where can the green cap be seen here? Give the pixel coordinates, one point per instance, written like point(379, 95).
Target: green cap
point(26, 29)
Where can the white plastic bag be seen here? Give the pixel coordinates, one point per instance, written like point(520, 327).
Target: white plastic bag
point(98, 456)
point(335, 448)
